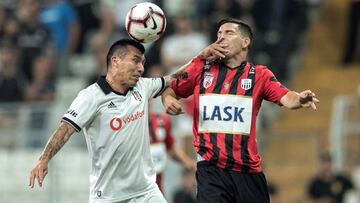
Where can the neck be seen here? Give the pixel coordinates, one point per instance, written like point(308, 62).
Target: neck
point(116, 86)
point(236, 60)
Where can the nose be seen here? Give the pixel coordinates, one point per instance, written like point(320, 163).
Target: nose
point(221, 37)
point(141, 68)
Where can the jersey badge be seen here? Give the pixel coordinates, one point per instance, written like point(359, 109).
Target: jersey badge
point(246, 84)
point(137, 95)
point(208, 79)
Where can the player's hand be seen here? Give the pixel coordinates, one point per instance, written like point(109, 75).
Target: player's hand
point(216, 50)
point(172, 105)
point(38, 172)
point(308, 99)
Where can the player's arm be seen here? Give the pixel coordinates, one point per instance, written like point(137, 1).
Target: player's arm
point(294, 100)
point(175, 75)
point(170, 102)
point(180, 156)
point(54, 144)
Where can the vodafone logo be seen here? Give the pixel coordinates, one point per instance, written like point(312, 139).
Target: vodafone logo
point(115, 124)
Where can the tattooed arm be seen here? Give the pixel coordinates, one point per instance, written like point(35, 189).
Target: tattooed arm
point(175, 75)
point(55, 143)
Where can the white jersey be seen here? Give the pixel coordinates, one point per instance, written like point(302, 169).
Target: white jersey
point(117, 136)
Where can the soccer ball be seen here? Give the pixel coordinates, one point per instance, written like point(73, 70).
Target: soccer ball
point(145, 22)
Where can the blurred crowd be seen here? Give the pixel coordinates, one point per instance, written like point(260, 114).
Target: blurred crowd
point(40, 39)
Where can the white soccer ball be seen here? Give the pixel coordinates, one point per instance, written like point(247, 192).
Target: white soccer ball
point(145, 22)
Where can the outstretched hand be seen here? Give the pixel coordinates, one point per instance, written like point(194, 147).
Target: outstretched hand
point(39, 172)
point(308, 99)
point(216, 50)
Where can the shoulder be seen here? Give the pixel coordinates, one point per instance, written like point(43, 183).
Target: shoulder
point(144, 82)
point(198, 64)
point(261, 69)
point(92, 92)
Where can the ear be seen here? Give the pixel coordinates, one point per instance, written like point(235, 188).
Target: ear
point(246, 42)
point(114, 59)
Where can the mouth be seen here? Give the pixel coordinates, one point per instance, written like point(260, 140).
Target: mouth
point(136, 77)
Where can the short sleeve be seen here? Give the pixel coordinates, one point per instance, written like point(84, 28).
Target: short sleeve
point(154, 86)
point(273, 89)
point(185, 85)
point(81, 110)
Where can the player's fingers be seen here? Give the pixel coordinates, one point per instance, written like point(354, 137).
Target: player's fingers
point(31, 179)
point(175, 109)
point(40, 177)
point(217, 53)
point(220, 49)
point(313, 106)
point(316, 100)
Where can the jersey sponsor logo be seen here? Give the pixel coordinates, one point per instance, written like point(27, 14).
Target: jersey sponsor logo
point(72, 112)
point(117, 123)
point(246, 84)
point(137, 95)
point(225, 114)
point(208, 79)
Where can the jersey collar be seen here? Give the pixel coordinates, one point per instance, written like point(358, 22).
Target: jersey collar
point(106, 88)
point(242, 65)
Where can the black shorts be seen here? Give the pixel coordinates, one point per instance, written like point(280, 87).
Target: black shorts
point(216, 185)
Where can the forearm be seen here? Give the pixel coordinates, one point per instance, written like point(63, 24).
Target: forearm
point(57, 141)
point(176, 74)
point(168, 92)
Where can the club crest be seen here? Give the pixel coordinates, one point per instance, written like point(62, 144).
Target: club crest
point(208, 79)
point(246, 84)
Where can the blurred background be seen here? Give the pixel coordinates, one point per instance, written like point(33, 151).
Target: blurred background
point(51, 49)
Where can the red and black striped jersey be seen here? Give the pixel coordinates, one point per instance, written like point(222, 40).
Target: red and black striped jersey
point(160, 129)
point(227, 101)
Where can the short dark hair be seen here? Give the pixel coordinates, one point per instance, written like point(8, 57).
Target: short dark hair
point(243, 27)
point(122, 44)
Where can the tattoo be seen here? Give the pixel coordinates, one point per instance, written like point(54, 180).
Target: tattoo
point(177, 74)
point(57, 140)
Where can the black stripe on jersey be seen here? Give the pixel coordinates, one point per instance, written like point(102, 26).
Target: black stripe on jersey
point(213, 140)
point(229, 139)
point(235, 82)
point(72, 123)
point(202, 149)
point(245, 153)
point(220, 79)
point(162, 87)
